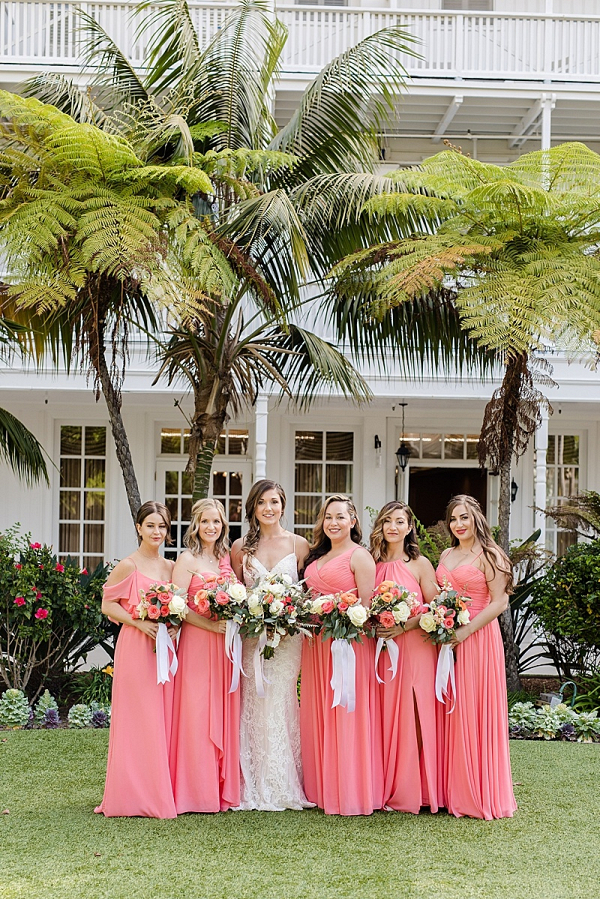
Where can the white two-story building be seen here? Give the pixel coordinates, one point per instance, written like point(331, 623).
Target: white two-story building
point(497, 77)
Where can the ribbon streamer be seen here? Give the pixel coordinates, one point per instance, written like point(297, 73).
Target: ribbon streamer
point(259, 674)
point(164, 646)
point(343, 676)
point(233, 651)
point(392, 648)
point(444, 673)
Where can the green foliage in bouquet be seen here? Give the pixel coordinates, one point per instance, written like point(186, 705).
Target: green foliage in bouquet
point(566, 602)
point(45, 702)
point(14, 709)
point(80, 715)
point(50, 612)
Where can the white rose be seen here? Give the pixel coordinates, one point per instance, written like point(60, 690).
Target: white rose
point(254, 605)
point(277, 589)
point(357, 615)
point(427, 622)
point(286, 579)
point(178, 606)
point(237, 592)
point(276, 607)
point(315, 606)
point(401, 613)
point(463, 617)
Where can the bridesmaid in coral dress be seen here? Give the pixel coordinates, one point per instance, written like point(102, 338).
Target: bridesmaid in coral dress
point(138, 780)
point(408, 704)
point(477, 775)
point(341, 750)
point(204, 755)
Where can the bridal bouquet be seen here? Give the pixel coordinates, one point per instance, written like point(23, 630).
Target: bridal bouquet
point(165, 604)
point(342, 617)
point(447, 612)
point(274, 605)
point(223, 597)
point(391, 605)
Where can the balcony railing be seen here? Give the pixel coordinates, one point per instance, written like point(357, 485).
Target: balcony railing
point(452, 44)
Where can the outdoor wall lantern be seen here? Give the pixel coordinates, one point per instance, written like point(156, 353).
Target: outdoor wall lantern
point(403, 451)
point(514, 489)
point(377, 451)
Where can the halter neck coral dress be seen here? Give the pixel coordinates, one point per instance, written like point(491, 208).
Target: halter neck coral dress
point(341, 750)
point(205, 752)
point(476, 769)
point(408, 705)
point(138, 780)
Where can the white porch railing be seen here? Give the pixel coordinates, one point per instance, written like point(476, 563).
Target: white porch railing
point(453, 44)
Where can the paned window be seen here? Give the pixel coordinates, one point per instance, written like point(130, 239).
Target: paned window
point(82, 496)
point(473, 5)
point(562, 481)
point(324, 464)
point(442, 446)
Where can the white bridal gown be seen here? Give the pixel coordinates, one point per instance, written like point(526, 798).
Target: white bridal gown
point(270, 727)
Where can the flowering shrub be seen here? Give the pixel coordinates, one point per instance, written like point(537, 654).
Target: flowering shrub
point(50, 612)
point(560, 723)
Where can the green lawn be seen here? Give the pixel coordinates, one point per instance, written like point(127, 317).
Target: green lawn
point(52, 845)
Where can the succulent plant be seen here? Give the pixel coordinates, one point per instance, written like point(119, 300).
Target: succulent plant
point(79, 715)
point(51, 719)
point(14, 709)
point(45, 702)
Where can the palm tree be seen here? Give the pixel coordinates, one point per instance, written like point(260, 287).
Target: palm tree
point(92, 236)
point(518, 248)
point(19, 448)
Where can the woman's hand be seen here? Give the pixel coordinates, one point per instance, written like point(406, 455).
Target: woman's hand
point(172, 631)
point(150, 628)
point(388, 633)
point(460, 636)
point(218, 627)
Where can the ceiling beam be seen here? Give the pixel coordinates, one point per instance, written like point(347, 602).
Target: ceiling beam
point(527, 123)
point(453, 108)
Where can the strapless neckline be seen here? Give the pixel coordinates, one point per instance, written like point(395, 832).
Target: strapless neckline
point(462, 565)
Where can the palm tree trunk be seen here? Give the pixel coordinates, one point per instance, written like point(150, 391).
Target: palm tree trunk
point(513, 681)
point(204, 460)
point(121, 442)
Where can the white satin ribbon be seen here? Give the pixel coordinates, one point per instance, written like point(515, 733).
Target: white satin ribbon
point(259, 673)
point(343, 676)
point(444, 673)
point(164, 646)
point(233, 651)
point(392, 648)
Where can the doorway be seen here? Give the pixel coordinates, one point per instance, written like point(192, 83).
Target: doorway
point(430, 490)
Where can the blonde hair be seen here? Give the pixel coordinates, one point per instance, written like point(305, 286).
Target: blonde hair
point(496, 556)
point(321, 543)
point(192, 539)
point(378, 543)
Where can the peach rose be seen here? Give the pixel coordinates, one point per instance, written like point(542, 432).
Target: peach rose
point(202, 605)
point(342, 606)
point(350, 598)
point(222, 598)
point(386, 619)
point(327, 607)
point(449, 623)
point(164, 611)
point(153, 612)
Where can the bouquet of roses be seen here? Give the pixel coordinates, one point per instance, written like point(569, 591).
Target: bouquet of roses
point(165, 604)
point(223, 597)
point(342, 617)
point(391, 605)
point(447, 612)
point(273, 610)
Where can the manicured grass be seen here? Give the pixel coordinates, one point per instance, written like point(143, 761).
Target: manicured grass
point(53, 847)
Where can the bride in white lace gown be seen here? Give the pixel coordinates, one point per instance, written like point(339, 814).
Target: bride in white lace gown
point(270, 760)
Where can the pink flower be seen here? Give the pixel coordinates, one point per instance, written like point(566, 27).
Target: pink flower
point(59, 567)
point(202, 606)
point(386, 619)
point(222, 598)
point(38, 595)
point(41, 614)
point(35, 545)
point(327, 606)
point(84, 571)
point(164, 611)
point(153, 612)
point(449, 623)
point(18, 566)
point(41, 567)
point(342, 606)
point(19, 600)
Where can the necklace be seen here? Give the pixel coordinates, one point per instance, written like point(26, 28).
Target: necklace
point(152, 558)
point(208, 560)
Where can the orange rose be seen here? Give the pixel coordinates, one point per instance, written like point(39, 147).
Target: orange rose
point(153, 612)
point(200, 596)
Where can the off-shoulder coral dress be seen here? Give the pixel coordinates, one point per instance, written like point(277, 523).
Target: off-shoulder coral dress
point(138, 779)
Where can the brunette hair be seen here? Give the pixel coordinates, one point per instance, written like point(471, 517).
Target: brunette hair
point(378, 543)
point(321, 543)
point(250, 544)
point(192, 537)
point(151, 508)
point(496, 556)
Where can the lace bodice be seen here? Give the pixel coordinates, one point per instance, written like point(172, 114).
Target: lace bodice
point(255, 570)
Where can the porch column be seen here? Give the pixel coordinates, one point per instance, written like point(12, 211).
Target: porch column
point(548, 104)
point(541, 447)
point(261, 418)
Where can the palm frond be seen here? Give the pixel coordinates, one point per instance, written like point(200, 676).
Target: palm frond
point(21, 450)
point(100, 52)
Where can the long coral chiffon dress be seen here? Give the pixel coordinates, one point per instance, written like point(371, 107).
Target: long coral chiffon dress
point(408, 706)
point(138, 780)
point(341, 750)
point(205, 752)
point(476, 768)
